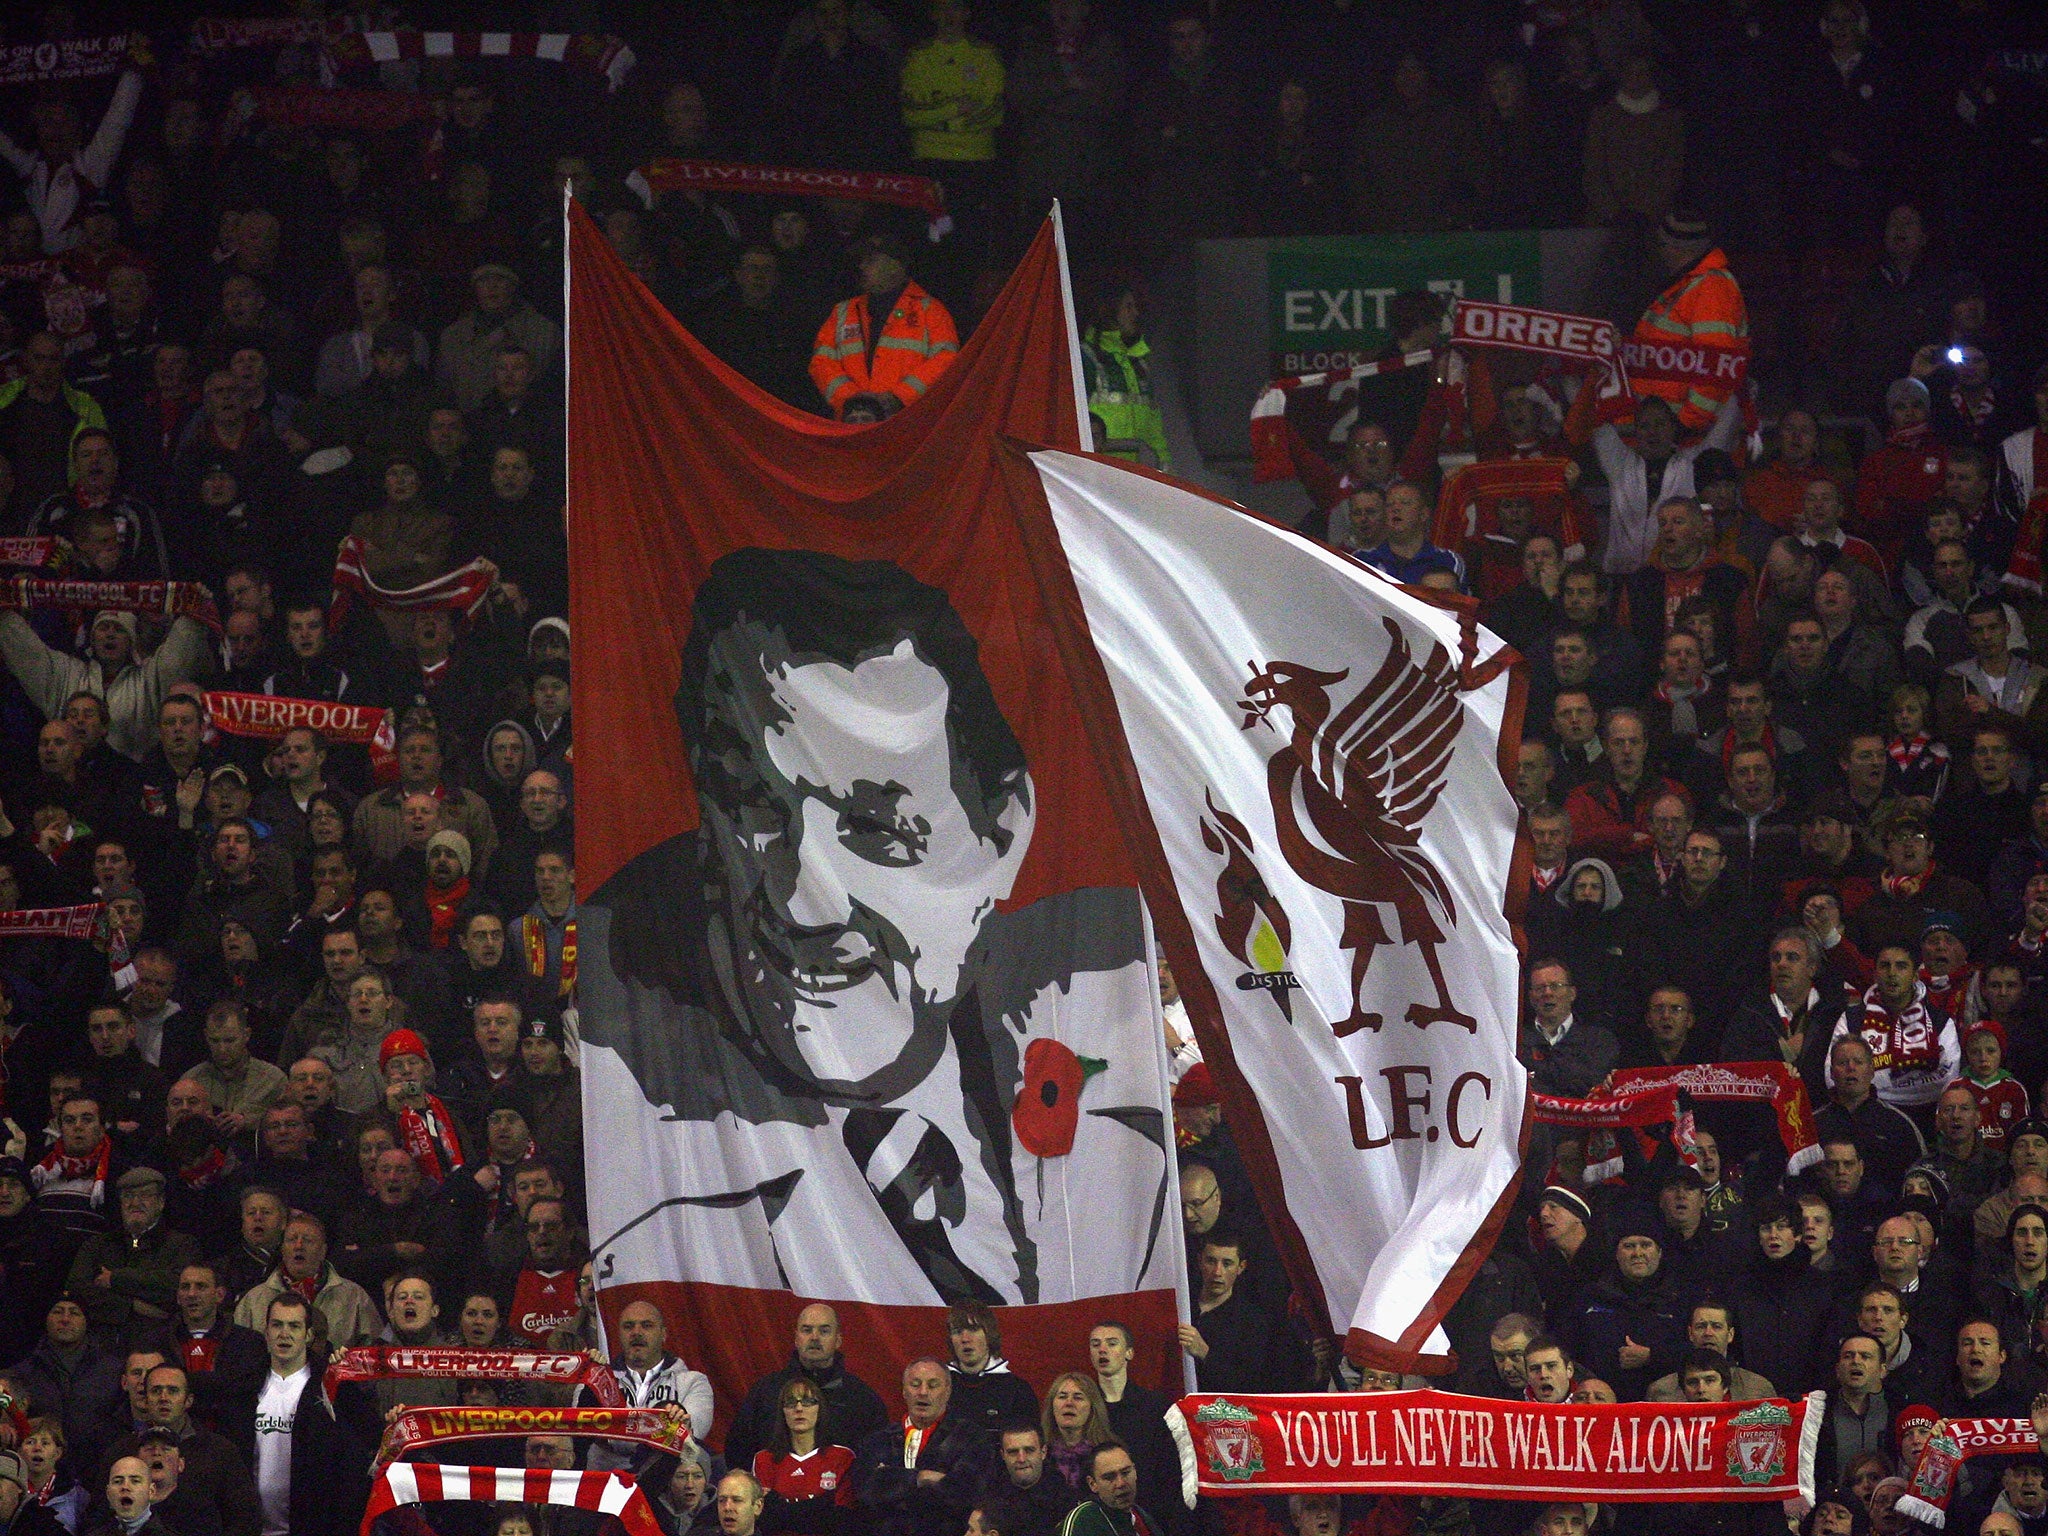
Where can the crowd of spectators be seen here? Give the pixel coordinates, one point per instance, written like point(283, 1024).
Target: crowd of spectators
point(311, 1081)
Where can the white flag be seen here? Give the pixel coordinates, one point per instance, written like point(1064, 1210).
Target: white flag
point(1320, 753)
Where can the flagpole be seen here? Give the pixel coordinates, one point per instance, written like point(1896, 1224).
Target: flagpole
point(1059, 245)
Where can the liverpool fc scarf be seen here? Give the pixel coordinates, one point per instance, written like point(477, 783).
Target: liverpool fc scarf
point(1909, 1038)
point(665, 1427)
point(50, 922)
point(429, 1136)
point(391, 1362)
point(1954, 1442)
point(158, 599)
point(268, 716)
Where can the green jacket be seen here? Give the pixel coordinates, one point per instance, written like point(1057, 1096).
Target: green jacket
point(1119, 381)
point(83, 406)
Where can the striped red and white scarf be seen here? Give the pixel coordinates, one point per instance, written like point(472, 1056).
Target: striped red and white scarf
point(462, 590)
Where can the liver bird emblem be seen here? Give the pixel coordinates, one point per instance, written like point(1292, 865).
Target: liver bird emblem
point(1350, 792)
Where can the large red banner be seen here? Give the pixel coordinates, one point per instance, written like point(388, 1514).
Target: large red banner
point(854, 907)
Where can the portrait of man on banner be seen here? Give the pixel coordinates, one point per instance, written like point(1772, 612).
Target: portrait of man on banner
point(933, 1095)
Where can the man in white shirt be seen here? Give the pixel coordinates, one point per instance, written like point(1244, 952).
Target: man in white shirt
point(286, 1329)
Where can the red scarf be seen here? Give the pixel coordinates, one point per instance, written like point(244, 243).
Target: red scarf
point(308, 1288)
point(1907, 886)
point(70, 1170)
point(1769, 743)
point(1909, 438)
point(1947, 992)
point(443, 907)
point(1907, 1038)
point(429, 1137)
point(1908, 753)
point(205, 1171)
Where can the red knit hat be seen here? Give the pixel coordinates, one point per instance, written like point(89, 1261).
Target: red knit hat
point(401, 1042)
point(1989, 1027)
point(1196, 1086)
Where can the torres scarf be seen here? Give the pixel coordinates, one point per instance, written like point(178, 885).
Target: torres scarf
point(1909, 1038)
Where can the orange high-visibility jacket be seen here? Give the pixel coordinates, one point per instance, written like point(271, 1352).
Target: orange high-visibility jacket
point(1691, 347)
point(918, 343)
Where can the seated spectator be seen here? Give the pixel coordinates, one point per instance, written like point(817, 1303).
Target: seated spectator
point(856, 1408)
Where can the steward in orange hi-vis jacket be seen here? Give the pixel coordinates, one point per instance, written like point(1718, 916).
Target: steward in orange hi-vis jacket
point(1691, 347)
point(915, 344)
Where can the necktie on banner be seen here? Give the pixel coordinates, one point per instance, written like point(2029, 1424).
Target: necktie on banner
point(1447, 1445)
point(919, 192)
point(1317, 762)
point(429, 1482)
point(461, 591)
point(606, 56)
point(268, 716)
point(392, 1362)
point(156, 599)
point(665, 1427)
point(1954, 1442)
point(71, 58)
point(850, 1066)
point(50, 922)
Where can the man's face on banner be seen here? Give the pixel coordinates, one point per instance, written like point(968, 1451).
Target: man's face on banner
point(859, 856)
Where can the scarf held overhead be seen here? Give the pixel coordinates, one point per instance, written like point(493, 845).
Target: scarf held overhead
point(427, 1482)
point(461, 590)
point(1448, 1445)
point(665, 1427)
point(157, 599)
point(380, 1362)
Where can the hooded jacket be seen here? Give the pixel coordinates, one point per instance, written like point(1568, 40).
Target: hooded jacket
point(991, 1397)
